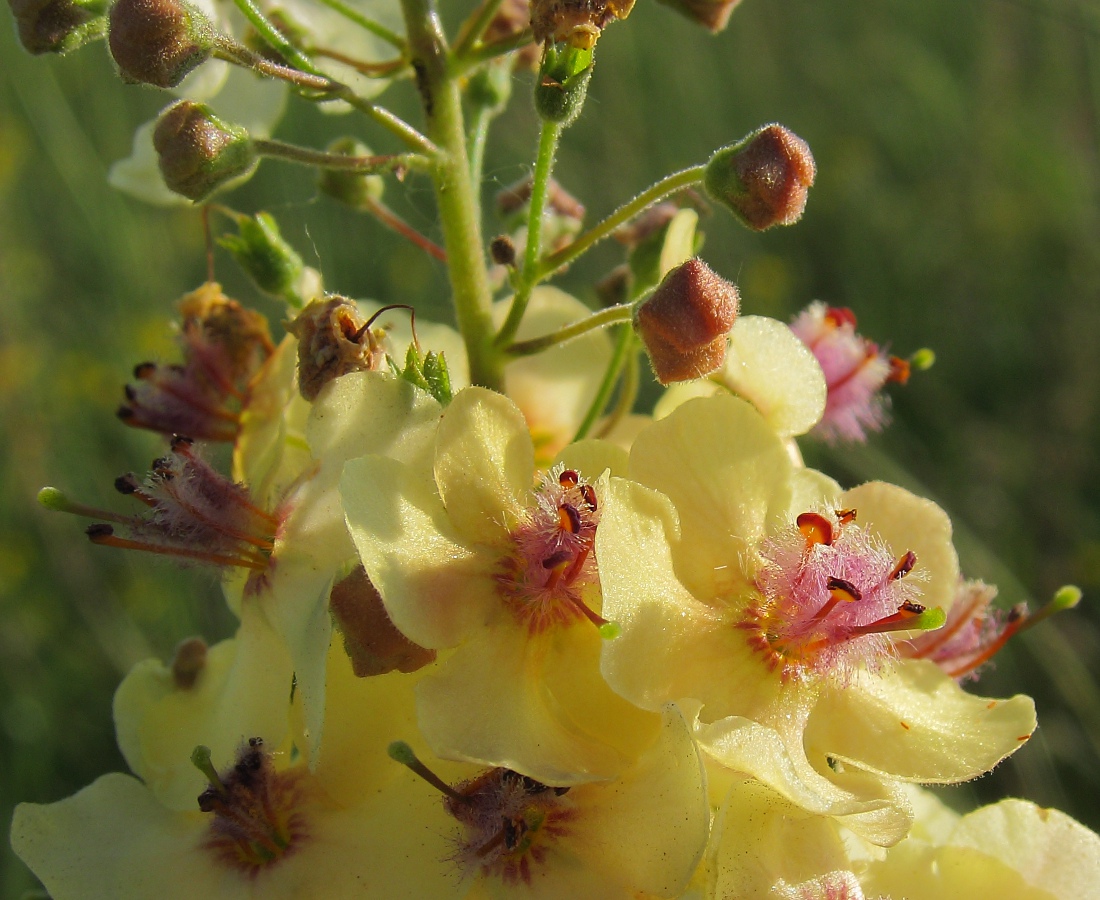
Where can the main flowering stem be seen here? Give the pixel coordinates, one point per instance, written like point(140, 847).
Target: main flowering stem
point(454, 190)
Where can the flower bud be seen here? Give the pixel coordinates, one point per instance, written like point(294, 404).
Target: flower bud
point(577, 23)
point(199, 153)
point(764, 178)
point(356, 189)
point(685, 322)
point(260, 250)
point(159, 41)
point(711, 14)
point(562, 84)
point(58, 26)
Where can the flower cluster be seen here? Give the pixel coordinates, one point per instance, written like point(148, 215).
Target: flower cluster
point(497, 635)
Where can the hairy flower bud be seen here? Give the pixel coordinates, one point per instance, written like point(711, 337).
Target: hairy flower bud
point(356, 189)
point(158, 41)
point(562, 84)
point(685, 322)
point(200, 153)
point(58, 26)
point(763, 178)
point(711, 14)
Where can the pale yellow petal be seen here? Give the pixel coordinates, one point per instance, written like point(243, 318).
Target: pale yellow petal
point(728, 475)
point(772, 369)
point(484, 464)
point(813, 490)
point(873, 808)
point(591, 458)
point(680, 392)
point(648, 827)
point(266, 456)
point(112, 840)
point(914, 723)
point(672, 646)
point(372, 412)
point(761, 839)
point(243, 691)
point(908, 522)
point(496, 701)
point(436, 589)
point(1046, 847)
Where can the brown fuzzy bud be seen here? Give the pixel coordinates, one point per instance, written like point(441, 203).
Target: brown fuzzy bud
point(159, 41)
point(764, 178)
point(576, 22)
point(711, 14)
point(685, 322)
point(371, 640)
point(58, 26)
point(502, 249)
point(333, 340)
point(199, 153)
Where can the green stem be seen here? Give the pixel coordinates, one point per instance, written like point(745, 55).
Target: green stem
point(274, 37)
point(668, 185)
point(475, 26)
point(479, 136)
point(482, 52)
point(229, 50)
point(623, 347)
point(632, 380)
point(331, 89)
point(321, 159)
point(610, 316)
point(375, 28)
point(540, 185)
point(454, 191)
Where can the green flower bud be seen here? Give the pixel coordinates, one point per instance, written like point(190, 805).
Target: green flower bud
point(711, 14)
point(684, 324)
point(260, 250)
point(357, 189)
point(764, 178)
point(199, 153)
point(58, 26)
point(562, 84)
point(159, 42)
point(490, 87)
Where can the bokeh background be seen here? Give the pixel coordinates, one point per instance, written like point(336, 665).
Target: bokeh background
point(956, 208)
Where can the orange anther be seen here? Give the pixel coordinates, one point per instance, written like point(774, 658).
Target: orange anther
point(815, 528)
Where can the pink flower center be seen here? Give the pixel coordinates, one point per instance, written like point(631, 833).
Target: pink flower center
point(551, 569)
point(509, 822)
point(829, 593)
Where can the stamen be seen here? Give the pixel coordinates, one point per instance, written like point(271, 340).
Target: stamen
point(569, 518)
point(839, 589)
point(568, 478)
point(401, 752)
point(909, 617)
point(904, 566)
point(815, 528)
point(104, 536)
point(845, 516)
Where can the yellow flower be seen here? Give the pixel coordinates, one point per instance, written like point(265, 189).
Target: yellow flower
point(762, 592)
point(469, 552)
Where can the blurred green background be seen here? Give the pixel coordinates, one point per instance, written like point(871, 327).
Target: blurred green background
point(956, 207)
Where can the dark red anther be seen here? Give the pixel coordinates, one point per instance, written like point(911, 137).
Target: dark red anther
point(904, 566)
point(569, 478)
point(845, 516)
point(569, 518)
point(98, 531)
point(556, 559)
point(843, 590)
point(589, 494)
point(815, 528)
point(840, 315)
